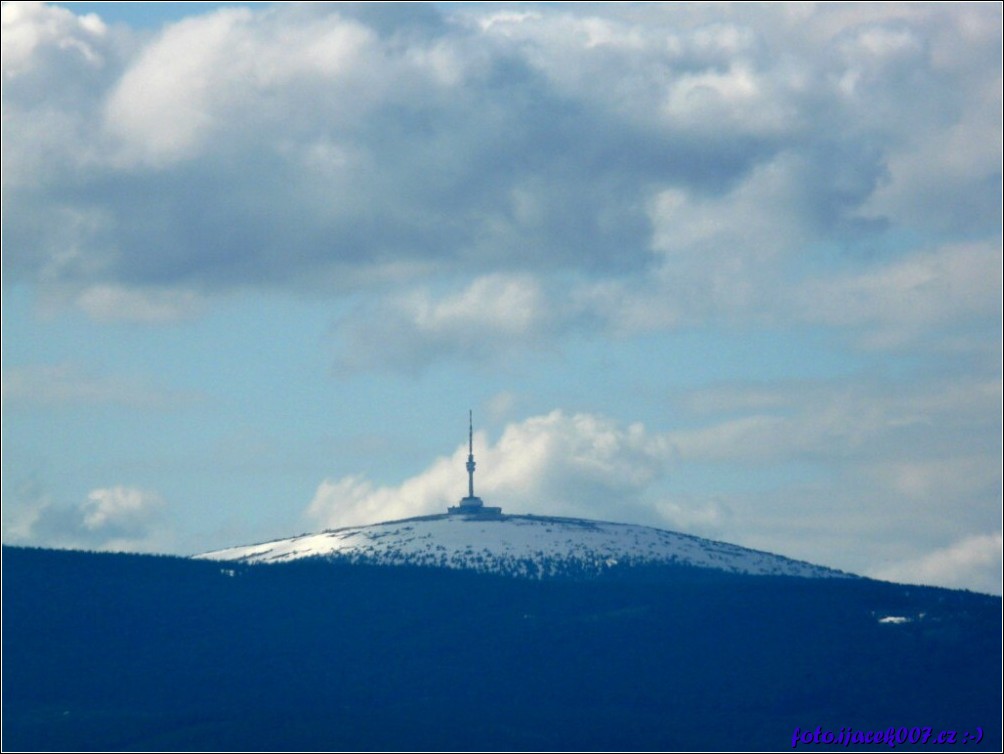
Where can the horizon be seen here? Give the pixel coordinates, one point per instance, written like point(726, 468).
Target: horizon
point(730, 272)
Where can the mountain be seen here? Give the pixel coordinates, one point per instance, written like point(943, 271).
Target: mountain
point(520, 545)
point(117, 652)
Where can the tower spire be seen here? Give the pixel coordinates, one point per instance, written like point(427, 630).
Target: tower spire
point(471, 505)
point(470, 454)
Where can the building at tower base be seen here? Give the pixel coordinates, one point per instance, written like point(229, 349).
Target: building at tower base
point(474, 506)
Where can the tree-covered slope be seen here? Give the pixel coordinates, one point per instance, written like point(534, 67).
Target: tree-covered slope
point(140, 652)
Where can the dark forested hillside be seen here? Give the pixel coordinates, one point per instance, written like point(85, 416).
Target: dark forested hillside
point(140, 652)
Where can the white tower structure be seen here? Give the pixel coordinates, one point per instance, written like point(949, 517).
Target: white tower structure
point(472, 504)
point(470, 458)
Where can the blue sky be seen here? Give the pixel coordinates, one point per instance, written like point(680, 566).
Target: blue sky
point(733, 271)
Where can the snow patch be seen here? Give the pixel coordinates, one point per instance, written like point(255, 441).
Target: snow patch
point(532, 546)
point(895, 619)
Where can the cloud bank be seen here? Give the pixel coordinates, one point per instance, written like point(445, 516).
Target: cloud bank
point(112, 519)
point(566, 464)
point(971, 562)
point(609, 171)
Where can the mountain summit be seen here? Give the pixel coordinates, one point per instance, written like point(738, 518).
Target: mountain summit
point(519, 545)
point(473, 536)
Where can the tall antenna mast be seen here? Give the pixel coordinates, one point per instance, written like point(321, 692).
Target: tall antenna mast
point(470, 454)
point(470, 506)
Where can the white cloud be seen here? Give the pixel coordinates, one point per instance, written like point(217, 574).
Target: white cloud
point(973, 563)
point(21, 512)
point(862, 420)
point(747, 437)
point(355, 500)
point(757, 220)
point(728, 256)
point(576, 465)
point(119, 507)
point(939, 479)
point(163, 106)
point(737, 97)
point(492, 303)
point(944, 170)
point(212, 75)
point(54, 64)
point(114, 519)
point(878, 43)
point(905, 299)
point(709, 517)
point(31, 29)
point(489, 318)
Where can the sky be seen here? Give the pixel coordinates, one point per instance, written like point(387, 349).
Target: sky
point(732, 270)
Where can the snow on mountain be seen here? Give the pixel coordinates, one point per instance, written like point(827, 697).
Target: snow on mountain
point(521, 545)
